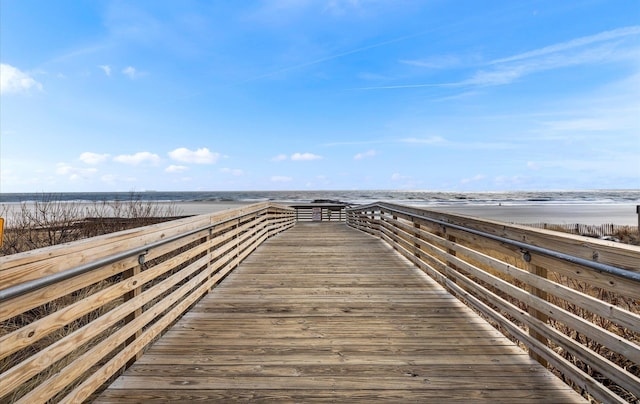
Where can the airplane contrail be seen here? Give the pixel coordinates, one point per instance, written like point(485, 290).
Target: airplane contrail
point(336, 56)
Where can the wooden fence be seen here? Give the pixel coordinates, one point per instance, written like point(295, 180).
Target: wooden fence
point(572, 301)
point(75, 315)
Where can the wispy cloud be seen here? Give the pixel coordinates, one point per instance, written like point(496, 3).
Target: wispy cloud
point(604, 47)
point(79, 52)
point(15, 81)
point(106, 69)
point(176, 169)
point(507, 72)
point(574, 43)
point(426, 140)
point(280, 157)
point(399, 177)
point(281, 178)
point(130, 72)
point(475, 178)
point(372, 76)
point(404, 86)
point(367, 154)
point(335, 56)
point(355, 143)
point(435, 62)
point(236, 172)
point(467, 145)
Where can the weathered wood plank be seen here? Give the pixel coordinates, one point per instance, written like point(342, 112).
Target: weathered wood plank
point(325, 313)
point(276, 395)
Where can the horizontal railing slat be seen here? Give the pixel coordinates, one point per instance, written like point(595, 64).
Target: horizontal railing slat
point(610, 370)
point(176, 263)
point(590, 330)
point(540, 286)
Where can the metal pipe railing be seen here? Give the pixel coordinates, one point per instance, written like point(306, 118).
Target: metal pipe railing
point(36, 284)
point(524, 247)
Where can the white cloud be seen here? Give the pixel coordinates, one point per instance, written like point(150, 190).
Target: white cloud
point(584, 124)
point(532, 165)
point(442, 142)
point(138, 158)
point(279, 157)
point(200, 156)
point(426, 140)
point(93, 158)
point(372, 76)
point(233, 171)
point(435, 62)
point(506, 182)
point(109, 178)
point(130, 71)
point(281, 178)
point(74, 173)
point(305, 157)
point(176, 169)
point(604, 47)
point(399, 177)
point(106, 69)
point(574, 43)
point(475, 178)
point(499, 76)
point(368, 153)
point(12, 80)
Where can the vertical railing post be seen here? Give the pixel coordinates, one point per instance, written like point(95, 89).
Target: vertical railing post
point(395, 233)
point(452, 253)
point(541, 272)
point(237, 254)
point(210, 252)
point(130, 273)
point(416, 235)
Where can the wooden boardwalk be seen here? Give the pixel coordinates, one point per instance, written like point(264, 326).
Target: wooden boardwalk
point(326, 313)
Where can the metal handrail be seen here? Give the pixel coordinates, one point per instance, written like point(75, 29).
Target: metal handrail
point(36, 284)
point(525, 248)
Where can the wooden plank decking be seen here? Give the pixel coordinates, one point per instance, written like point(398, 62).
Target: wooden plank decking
point(325, 313)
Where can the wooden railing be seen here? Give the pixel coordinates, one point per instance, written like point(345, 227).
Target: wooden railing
point(74, 316)
point(320, 212)
point(573, 302)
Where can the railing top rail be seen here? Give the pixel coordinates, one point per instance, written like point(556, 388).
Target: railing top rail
point(525, 248)
point(30, 286)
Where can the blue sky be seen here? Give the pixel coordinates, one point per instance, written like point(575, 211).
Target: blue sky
point(319, 94)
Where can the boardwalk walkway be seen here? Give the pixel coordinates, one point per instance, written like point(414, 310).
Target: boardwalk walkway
point(325, 313)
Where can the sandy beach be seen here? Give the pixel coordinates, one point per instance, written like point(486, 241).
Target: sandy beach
point(592, 214)
point(619, 214)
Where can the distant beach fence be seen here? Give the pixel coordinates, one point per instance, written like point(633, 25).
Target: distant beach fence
point(600, 230)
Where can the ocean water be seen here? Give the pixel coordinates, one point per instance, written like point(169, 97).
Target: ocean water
point(419, 198)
